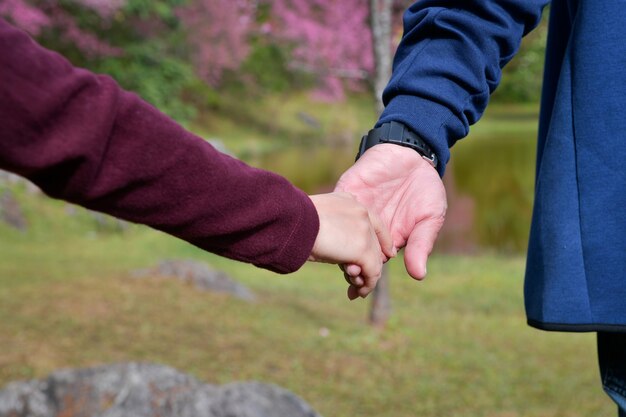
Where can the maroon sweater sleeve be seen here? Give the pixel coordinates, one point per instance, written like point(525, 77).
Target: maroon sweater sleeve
point(81, 138)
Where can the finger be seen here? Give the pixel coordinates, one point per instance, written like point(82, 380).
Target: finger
point(371, 262)
point(350, 269)
point(353, 270)
point(364, 291)
point(353, 293)
point(384, 237)
point(419, 246)
point(355, 281)
point(371, 269)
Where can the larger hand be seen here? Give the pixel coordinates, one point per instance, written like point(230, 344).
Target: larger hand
point(406, 193)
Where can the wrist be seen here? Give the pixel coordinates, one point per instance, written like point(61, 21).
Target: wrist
point(379, 158)
point(400, 135)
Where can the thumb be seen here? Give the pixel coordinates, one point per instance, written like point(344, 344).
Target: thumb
point(419, 246)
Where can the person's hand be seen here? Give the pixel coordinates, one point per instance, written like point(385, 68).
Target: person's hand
point(406, 193)
point(350, 235)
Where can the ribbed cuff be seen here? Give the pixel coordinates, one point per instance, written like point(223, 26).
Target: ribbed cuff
point(435, 123)
point(298, 246)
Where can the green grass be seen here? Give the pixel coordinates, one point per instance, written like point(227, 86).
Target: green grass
point(457, 344)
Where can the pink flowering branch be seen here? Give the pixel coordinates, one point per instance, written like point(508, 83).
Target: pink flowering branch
point(219, 34)
point(30, 18)
point(330, 37)
point(35, 18)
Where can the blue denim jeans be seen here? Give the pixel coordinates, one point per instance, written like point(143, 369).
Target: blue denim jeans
point(612, 358)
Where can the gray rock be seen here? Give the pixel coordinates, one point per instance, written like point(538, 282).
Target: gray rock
point(10, 179)
point(11, 212)
point(255, 399)
point(144, 390)
point(106, 223)
point(199, 274)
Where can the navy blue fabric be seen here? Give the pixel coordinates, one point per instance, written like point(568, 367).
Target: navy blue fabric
point(447, 65)
point(576, 270)
point(449, 61)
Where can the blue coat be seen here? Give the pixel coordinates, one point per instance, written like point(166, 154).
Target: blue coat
point(449, 62)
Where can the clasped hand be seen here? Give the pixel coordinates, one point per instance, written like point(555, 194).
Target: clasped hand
point(351, 236)
point(404, 200)
point(401, 189)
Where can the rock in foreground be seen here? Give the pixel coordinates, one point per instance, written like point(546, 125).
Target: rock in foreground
point(144, 390)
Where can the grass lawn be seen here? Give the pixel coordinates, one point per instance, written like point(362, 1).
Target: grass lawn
point(457, 344)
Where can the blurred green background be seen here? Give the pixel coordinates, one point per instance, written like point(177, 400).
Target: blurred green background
point(457, 344)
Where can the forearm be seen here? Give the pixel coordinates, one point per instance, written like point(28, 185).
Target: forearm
point(83, 139)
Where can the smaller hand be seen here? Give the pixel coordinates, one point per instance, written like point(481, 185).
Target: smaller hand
point(351, 235)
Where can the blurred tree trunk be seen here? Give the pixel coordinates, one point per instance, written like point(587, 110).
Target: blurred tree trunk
point(380, 309)
point(380, 22)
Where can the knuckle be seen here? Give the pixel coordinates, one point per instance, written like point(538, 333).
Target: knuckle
point(362, 213)
point(440, 220)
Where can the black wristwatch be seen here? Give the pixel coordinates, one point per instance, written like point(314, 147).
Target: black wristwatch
point(395, 132)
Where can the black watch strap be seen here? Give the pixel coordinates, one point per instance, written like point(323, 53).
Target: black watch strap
point(399, 134)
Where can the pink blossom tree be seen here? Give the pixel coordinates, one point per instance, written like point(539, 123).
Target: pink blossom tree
point(30, 18)
point(36, 16)
point(330, 38)
point(218, 31)
point(333, 39)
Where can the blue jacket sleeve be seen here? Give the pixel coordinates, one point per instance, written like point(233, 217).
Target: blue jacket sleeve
point(449, 61)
